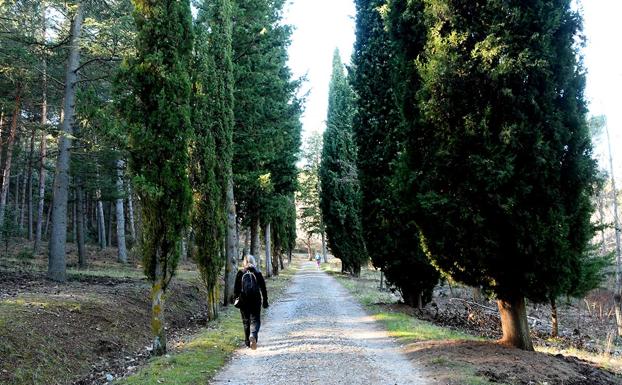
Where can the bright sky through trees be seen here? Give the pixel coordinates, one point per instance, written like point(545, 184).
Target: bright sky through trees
point(322, 25)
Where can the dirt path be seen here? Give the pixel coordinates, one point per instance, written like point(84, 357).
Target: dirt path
point(318, 334)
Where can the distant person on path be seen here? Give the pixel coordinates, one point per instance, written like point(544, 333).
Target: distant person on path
point(318, 259)
point(250, 291)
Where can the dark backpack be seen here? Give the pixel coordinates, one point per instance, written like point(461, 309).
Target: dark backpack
point(250, 287)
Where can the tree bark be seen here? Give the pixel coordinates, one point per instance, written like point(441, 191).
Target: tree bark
point(255, 238)
point(109, 224)
point(157, 311)
point(231, 263)
point(80, 234)
point(247, 240)
point(29, 176)
point(514, 323)
point(554, 319)
point(267, 233)
point(130, 208)
point(58, 239)
point(120, 215)
point(212, 303)
point(101, 223)
point(6, 172)
point(324, 253)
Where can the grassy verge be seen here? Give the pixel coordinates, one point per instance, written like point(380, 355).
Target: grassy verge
point(197, 359)
point(427, 340)
point(405, 328)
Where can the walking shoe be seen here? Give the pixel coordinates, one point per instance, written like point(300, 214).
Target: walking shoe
point(253, 343)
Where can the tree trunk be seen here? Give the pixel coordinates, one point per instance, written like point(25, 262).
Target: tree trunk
point(6, 172)
point(74, 214)
point(80, 235)
point(255, 238)
point(289, 255)
point(58, 239)
point(29, 176)
point(109, 224)
point(212, 303)
point(41, 197)
point(247, 240)
point(268, 251)
point(157, 311)
point(514, 323)
point(130, 208)
point(617, 295)
point(101, 223)
point(554, 319)
point(231, 263)
point(24, 205)
point(19, 182)
point(324, 252)
point(120, 215)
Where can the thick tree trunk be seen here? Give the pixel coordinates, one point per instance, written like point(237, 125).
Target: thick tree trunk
point(101, 223)
point(58, 239)
point(267, 234)
point(42, 146)
point(514, 323)
point(554, 319)
point(212, 303)
point(80, 230)
point(130, 208)
point(120, 214)
point(289, 255)
point(6, 172)
point(157, 311)
point(231, 262)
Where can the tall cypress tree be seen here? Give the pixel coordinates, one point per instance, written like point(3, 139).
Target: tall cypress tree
point(501, 168)
point(391, 238)
point(340, 197)
point(158, 111)
point(212, 117)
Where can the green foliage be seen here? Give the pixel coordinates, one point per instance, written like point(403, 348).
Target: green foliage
point(499, 168)
point(267, 111)
point(340, 197)
point(212, 119)
point(391, 238)
point(309, 187)
point(158, 111)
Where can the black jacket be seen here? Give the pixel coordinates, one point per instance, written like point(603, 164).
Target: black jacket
point(260, 281)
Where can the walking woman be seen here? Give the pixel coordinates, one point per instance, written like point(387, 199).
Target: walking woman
point(250, 291)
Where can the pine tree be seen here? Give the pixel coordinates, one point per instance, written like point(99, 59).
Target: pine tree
point(391, 238)
point(340, 198)
point(158, 112)
point(501, 173)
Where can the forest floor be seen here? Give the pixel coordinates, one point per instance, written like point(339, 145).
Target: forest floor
point(95, 328)
point(453, 338)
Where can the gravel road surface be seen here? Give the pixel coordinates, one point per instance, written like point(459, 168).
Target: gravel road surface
point(318, 334)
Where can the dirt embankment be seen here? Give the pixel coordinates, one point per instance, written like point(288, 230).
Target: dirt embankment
point(85, 329)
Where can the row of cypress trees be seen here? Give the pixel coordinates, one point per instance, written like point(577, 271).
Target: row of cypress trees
point(212, 109)
point(472, 150)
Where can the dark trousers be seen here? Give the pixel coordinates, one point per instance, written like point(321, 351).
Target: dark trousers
point(252, 322)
